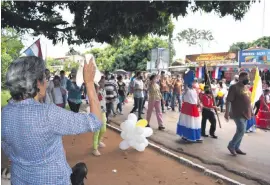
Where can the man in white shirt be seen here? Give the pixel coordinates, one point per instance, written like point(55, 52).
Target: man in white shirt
point(214, 87)
point(138, 94)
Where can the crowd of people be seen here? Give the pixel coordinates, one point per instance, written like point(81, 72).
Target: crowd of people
point(162, 91)
point(35, 118)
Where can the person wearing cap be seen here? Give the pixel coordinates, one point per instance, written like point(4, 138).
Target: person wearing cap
point(236, 79)
point(207, 113)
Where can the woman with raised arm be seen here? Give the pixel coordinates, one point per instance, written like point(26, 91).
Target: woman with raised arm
point(32, 132)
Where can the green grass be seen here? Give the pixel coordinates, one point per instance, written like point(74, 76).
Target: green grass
point(5, 96)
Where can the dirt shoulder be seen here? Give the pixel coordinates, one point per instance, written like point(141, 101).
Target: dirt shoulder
point(149, 167)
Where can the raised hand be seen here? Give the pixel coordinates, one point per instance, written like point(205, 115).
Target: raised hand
point(89, 71)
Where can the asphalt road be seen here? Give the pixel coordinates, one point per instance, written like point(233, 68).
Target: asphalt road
point(213, 153)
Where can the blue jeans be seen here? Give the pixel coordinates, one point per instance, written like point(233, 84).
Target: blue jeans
point(165, 96)
point(121, 101)
point(241, 125)
point(220, 103)
point(64, 100)
point(178, 98)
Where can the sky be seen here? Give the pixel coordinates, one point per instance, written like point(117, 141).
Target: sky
point(225, 31)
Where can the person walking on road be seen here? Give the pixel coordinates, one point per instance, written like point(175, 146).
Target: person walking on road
point(74, 92)
point(177, 93)
point(189, 124)
point(240, 111)
point(110, 87)
point(154, 101)
point(165, 88)
point(207, 113)
point(122, 92)
point(138, 94)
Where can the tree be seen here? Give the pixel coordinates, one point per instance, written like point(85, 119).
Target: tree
point(69, 64)
point(106, 21)
point(261, 42)
point(50, 62)
point(195, 37)
point(130, 54)
point(11, 46)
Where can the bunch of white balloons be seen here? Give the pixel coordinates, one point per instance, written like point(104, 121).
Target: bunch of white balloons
point(134, 133)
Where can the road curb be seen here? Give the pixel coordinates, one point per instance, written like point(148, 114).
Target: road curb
point(186, 162)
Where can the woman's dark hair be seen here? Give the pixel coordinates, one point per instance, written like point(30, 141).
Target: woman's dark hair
point(152, 77)
point(22, 77)
point(119, 78)
point(56, 77)
point(221, 84)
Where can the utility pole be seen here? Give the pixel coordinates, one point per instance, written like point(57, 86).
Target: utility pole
point(263, 23)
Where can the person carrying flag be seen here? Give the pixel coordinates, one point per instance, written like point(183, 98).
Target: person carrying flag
point(207, 113)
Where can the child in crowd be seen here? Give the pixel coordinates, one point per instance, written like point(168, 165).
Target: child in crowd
point(58, 92)
point(99, 134)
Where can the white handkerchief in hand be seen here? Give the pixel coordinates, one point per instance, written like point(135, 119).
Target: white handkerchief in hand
point(79, 77)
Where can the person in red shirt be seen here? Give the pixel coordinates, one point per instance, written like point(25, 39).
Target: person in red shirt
point(207, 113)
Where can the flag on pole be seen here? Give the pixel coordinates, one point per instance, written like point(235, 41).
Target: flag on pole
point(34, 50)
point(257, 90)
point(200, 72)
point(216, 73)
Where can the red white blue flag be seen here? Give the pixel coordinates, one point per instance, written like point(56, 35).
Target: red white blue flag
point(200, 72)
point(216, 74)
point(34, 50)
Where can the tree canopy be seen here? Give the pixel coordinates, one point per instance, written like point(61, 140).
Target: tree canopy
point(11, 46)
point(130, 54)
point(106, 21)
point(261, 42)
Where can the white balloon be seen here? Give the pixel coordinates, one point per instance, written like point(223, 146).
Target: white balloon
point(140, 147)
point(124, 145)
point(132, 117)
point(123, 126)
point(132, 143)
point(131, 122)
point(129, 126)
point(146, 143)
point(139, 130)
point(124, 135)
point(140, 139)
point(148, 132)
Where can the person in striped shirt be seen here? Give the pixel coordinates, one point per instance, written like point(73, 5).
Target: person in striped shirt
point(111, 93)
